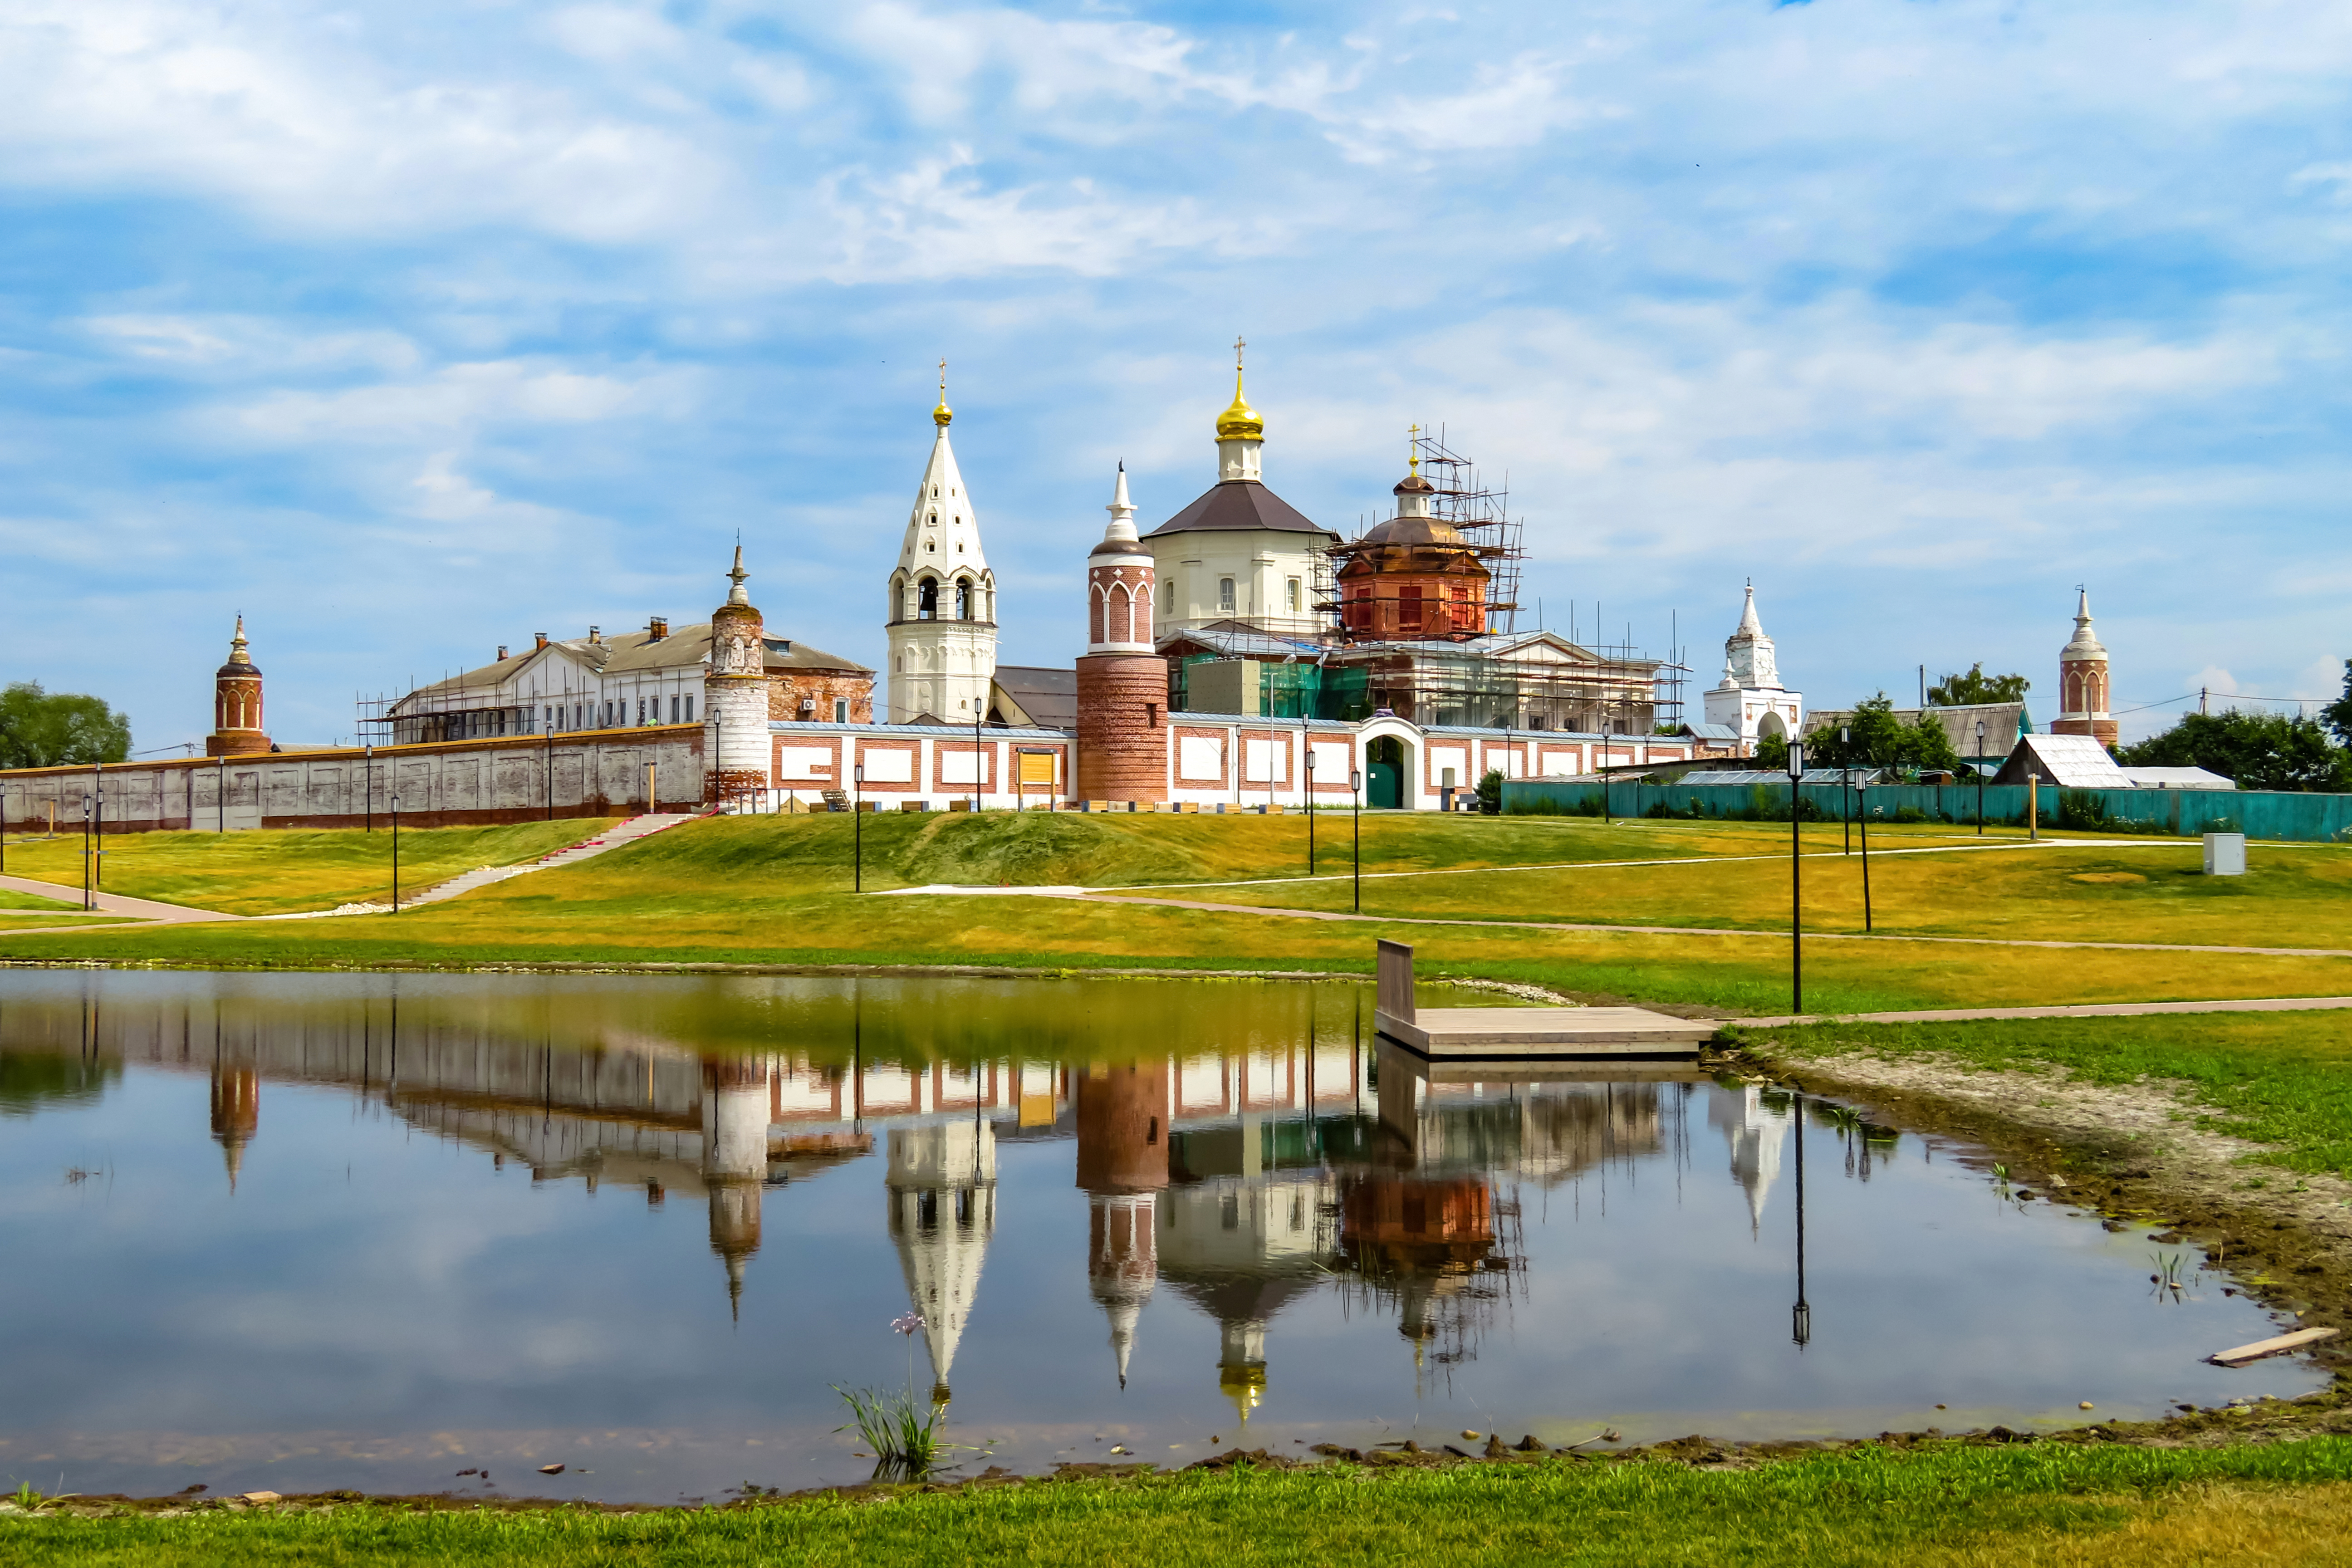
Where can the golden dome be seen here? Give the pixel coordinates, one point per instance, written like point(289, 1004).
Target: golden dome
point(1240, 421)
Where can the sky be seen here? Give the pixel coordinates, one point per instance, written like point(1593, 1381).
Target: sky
point(408, 330)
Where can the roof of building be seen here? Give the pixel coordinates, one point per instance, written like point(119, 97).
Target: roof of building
point(1712, 731)
point(2177, 778)
point(2069, 762)
point(1037, 694)
point(1238, 505)
point(2003, 722)
point(1827, 776)
point(920, 727)
point(1228, 640)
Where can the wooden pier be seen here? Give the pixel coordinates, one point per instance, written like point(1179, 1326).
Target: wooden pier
point(1525, 1034)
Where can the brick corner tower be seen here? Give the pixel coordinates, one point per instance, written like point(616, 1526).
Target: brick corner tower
point(2083, 690)
point(236, 704)
point(736, 690)
point(1122, 683)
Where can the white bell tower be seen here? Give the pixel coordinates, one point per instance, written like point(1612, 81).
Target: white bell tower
point(942, 625)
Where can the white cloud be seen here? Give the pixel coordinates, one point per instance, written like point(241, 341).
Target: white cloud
point(459, 397)
point(249, 344)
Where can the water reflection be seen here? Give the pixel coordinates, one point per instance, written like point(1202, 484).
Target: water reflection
point(1282, 1218)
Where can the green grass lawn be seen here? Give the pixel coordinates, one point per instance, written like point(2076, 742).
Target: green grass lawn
point(35, 902)
point(2047, 1504)
point(297, 869)
point(2279, 1079)
point(773, 890)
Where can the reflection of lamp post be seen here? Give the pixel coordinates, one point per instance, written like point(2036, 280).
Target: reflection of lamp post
point(1796, 881)
point(1801, 1317)
point(1356, 786)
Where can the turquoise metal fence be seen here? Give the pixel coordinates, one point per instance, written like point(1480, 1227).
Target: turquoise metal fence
point(2258, 814)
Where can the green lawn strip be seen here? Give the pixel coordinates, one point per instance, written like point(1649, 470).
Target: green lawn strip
point(281, 871)
point(2279, 1079)
point(1865, 1506)
point(11, 901)
point(603, 911)
point(2073, 892)
point(13, 920)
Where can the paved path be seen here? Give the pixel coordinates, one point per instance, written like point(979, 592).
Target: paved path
point(147, 910)
point(613, 837)
point(2082, 1010)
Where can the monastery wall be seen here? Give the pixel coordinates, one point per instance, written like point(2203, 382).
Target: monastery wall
point(452, 784)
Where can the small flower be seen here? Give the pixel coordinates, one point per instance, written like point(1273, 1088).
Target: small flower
point(907, 1324)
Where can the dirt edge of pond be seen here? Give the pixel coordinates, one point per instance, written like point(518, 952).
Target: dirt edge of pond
point(2131, 1154)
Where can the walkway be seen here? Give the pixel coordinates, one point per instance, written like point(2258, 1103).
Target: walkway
point(613, 838)
point(146, 911)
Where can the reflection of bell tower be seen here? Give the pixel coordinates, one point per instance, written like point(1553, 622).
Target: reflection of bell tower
point(734, 1161)
point(942, 1184)
point(1122, 1116)
point(236, 1113)
point(1755, 1131)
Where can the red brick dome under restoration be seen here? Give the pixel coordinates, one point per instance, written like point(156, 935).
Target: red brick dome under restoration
point(1403, 588)
point(1122, 727)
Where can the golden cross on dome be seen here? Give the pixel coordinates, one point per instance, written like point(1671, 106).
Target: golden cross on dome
point(1412, 447)
point(944, 381)
point(1239, 344)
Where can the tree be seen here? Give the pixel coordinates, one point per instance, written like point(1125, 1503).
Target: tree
point(39, 730)
point(2337, 715)
point(1772, 751)
point(2260, 751)
point(1976, 687)
point(1880, 740)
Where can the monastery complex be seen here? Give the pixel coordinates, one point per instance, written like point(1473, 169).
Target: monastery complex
point(1238, 655)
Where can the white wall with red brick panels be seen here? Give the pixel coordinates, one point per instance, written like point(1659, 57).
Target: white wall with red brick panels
point(906, 762)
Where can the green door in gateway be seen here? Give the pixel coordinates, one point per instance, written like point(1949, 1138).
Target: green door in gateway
point(1384, 765)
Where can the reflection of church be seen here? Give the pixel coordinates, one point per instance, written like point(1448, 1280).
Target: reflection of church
point(942, 1186)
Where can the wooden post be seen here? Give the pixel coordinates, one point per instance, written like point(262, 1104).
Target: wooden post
point(2032, 807)
point(649, 788)
point(1393, 993)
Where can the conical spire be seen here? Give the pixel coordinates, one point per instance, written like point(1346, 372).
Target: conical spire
point(1123, 512)
point(1748, 625)
point(735, 595)
point(237, 653)
point(2085, 643)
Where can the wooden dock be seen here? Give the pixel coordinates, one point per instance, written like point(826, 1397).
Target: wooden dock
point(1525, 1034)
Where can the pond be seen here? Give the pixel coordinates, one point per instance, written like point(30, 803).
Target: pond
point(425, 1233)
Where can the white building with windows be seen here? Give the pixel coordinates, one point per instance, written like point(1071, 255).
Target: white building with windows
point(942, 619)
point(1240, 552)
point(1749, 701)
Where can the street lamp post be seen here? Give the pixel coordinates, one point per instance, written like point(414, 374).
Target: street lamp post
point(1845, 785)
point(1310, 808)
point(1979, 767)
point(1862, 809)
point(86, 902)
point(857, 827)
point(396, 854)
point(1796, 881)
point(1356, 788)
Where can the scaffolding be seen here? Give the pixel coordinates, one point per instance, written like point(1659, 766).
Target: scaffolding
point(1481, 514)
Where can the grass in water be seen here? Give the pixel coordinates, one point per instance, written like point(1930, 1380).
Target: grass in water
point(902, 1431)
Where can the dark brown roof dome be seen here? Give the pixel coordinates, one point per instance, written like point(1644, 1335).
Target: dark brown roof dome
point(1413, 484)
point(1411, 531)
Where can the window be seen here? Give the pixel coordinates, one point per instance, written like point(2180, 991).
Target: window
point(1293, 591)
point(931, 547)
point(689, 706)
point(1409, 605)
point(673, 710)
point(963, 600)
point(1225, 594)
point(926, 600)
point(841, 709)
point(1168, 597)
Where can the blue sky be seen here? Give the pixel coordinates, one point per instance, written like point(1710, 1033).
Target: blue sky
point(409, 329)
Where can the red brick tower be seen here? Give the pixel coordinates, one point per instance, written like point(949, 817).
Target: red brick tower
point(2083, 691)
point(236, 704)
point(1122, 684)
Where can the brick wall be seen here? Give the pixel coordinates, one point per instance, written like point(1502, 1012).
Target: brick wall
point(1122, 727)
point(789, 689)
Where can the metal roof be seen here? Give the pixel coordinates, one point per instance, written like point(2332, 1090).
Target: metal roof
point(936, 731)
point(2069, 762)
point(2177, 778)
point(1239, 506)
